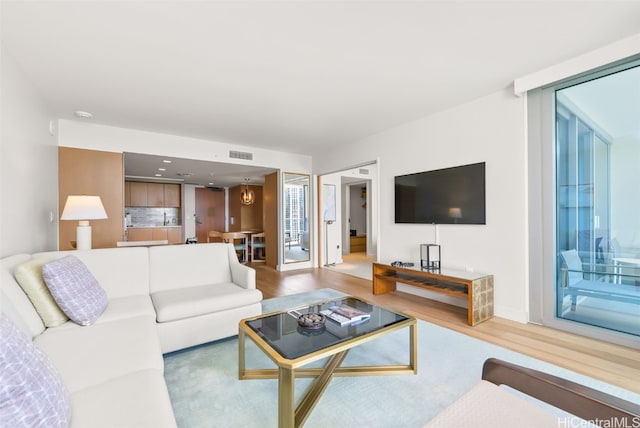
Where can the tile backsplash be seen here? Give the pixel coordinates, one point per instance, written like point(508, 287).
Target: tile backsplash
point(148, 216)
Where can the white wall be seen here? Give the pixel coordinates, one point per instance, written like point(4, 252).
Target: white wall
point(28, 167)
point(490, 129)
point(113, 139)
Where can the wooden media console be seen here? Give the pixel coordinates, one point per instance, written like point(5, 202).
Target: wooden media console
point(476, 288)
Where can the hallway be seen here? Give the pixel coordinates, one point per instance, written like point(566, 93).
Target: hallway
point(355, 264)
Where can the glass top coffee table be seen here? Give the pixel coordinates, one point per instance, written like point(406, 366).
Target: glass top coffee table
point(291, 347)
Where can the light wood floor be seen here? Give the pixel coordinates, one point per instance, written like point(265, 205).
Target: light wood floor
point(614, 364)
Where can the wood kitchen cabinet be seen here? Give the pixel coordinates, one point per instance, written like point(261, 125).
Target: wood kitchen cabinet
point(141, 194)
point(159, 233)
point(138, 194)
point(139, 234)
point(155, 195)
point(171, 234)
point(172, 195)
point(174, 235)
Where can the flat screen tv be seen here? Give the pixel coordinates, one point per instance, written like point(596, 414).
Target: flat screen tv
point(445, 196)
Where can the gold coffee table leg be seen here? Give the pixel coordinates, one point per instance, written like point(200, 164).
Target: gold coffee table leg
point(290, 416)
point(241, 366)
point(317, 388)
point(286, 404)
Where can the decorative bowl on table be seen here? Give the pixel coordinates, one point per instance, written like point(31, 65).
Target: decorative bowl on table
point(312, 321)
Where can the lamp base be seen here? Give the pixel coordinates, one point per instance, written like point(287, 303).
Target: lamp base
point(430, 256)
point(83, 235)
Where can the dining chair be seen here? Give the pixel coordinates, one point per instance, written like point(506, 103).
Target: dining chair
point(214, 236)
point(240, 243)
point(258, 245)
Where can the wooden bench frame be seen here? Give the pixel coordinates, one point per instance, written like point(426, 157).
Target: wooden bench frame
point(587, 403)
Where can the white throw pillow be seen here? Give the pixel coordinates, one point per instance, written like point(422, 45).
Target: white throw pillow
point(31, 391)
point(75, 289)
point(29, 276)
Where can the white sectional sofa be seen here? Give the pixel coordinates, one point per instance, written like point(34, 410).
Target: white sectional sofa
point(160, 299)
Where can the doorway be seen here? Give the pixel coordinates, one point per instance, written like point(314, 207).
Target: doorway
point(210, 212)
point(357, 215)
point(335, 234)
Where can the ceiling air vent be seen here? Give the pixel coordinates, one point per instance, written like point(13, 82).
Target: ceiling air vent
point(364, 171)
point(240, 155)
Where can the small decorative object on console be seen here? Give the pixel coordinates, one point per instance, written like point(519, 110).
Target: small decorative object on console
point(398, 263)
point(344, 314)
point(312, 321)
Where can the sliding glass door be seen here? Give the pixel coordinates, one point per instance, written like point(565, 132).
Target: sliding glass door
point(598, 201)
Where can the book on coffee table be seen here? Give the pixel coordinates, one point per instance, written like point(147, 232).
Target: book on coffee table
point(344, 315)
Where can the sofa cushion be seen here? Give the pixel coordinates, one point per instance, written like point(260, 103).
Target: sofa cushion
point(121, 272)
point(183, 266)
point(91, 355)
point(31, 391)
point(488, 405)
point(120, 309)
point(29, 276)
point(189, 302)
point(137, 400)
point(75, 289)
point(15, 303)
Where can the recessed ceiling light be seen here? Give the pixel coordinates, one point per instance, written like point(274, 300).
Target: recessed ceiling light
point(158, 175)
point(210, 184)
point(162, 169)
point(83, 114)
point(166, 161)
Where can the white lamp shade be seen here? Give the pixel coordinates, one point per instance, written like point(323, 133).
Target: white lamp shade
point(82, 207)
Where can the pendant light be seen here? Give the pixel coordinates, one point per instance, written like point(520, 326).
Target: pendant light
point(247, 196)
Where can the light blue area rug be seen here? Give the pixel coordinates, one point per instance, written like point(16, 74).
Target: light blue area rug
point(205, 390)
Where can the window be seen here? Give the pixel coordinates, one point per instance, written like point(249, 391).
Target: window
point(296, 217)
point(597, 201)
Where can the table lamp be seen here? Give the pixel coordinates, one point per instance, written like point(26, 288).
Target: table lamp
point(430, 256)
point(455, 214)
point(83, 208)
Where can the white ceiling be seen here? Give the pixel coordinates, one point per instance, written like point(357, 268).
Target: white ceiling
point(142, 167)
point(291, 75)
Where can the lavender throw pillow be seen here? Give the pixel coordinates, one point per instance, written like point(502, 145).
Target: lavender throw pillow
point(75, 289)
point(31, 391)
